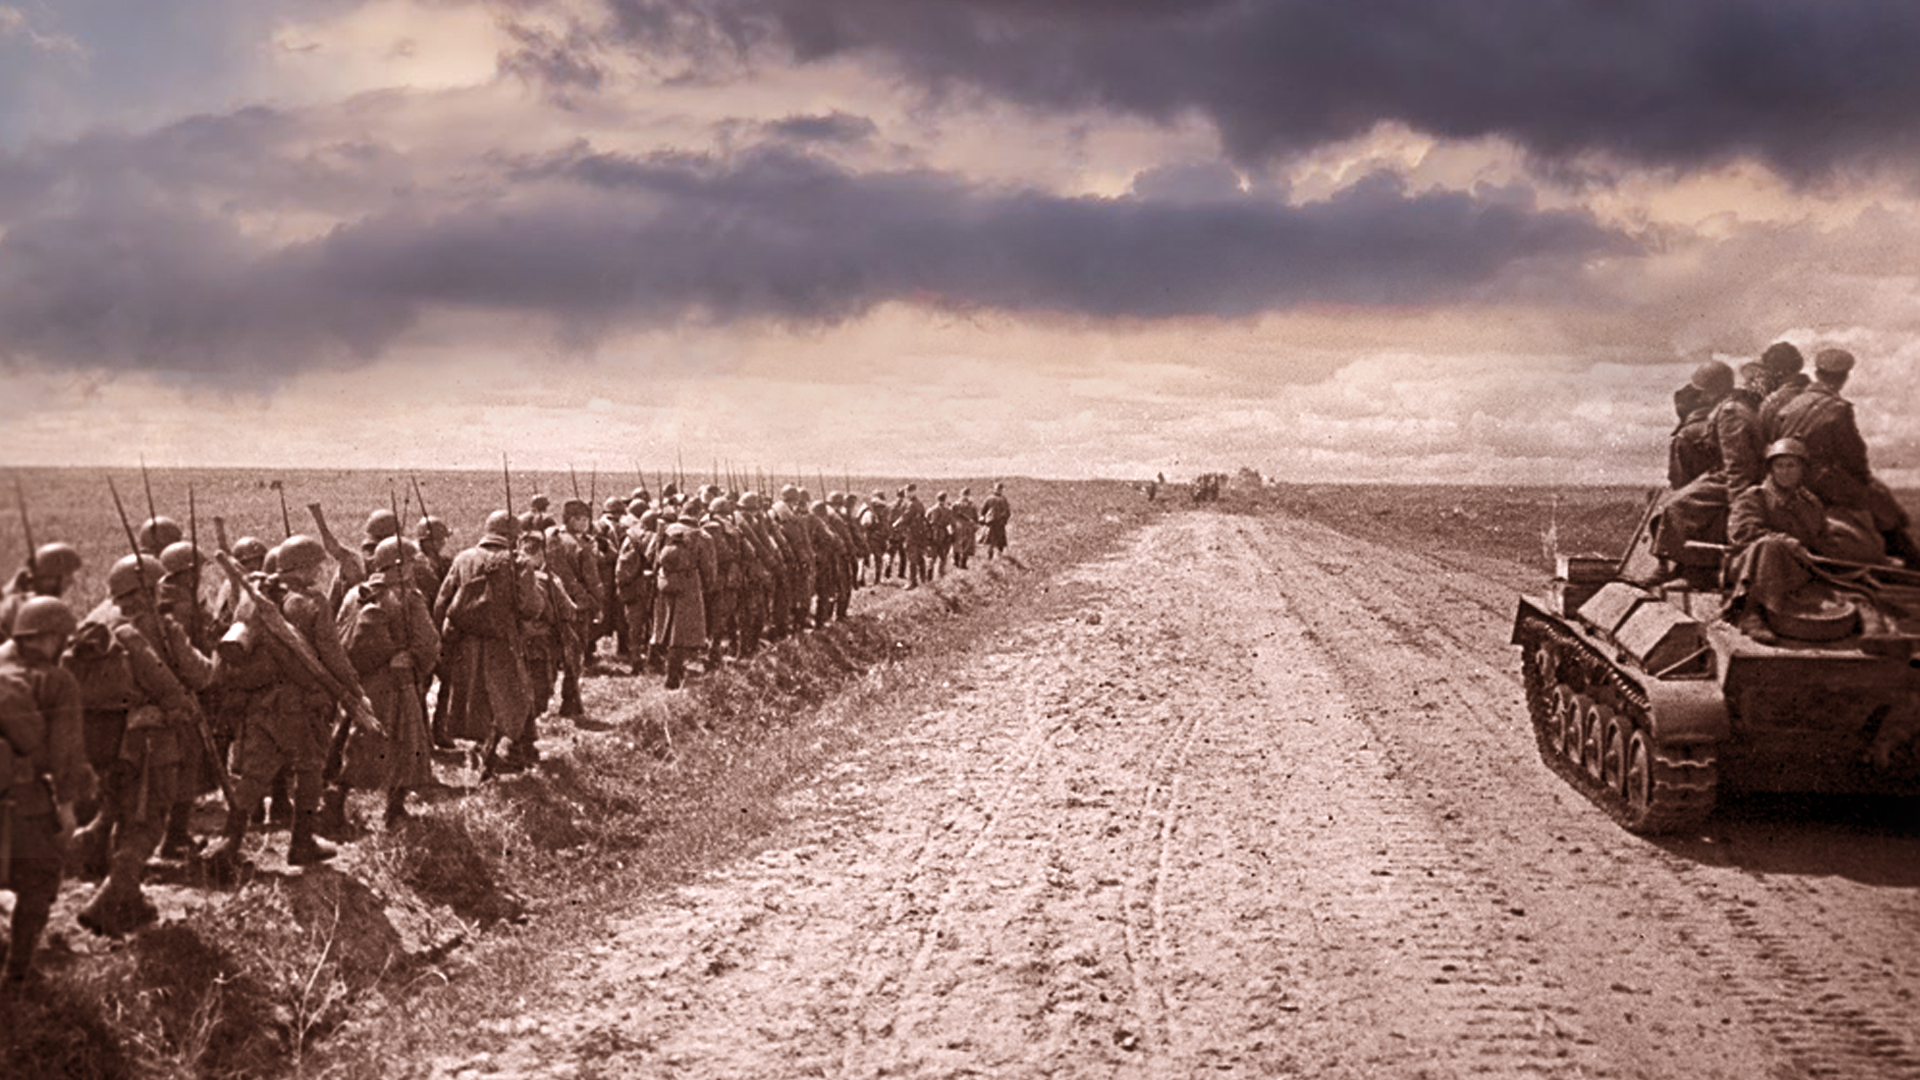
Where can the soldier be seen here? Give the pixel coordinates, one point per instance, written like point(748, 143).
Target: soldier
point(759, 571)
point(43, 771)
point(1698, 511)
point(939, 534)
point(966, 528)
point(633, 582)
point(1689, 451)
point(910, 527)
point(1776, 526)
point(994, 514)
point(607, 534)
point(1837, 469)
point(790, 516)
point(386, 628)
point(481, 604)
point(546, 638)
point(723, 592)
point(572, 560)
point(1783, 363)
point(179, 600)
point(830, 554)
point(877, 520)
point(537, 518)
point(48, 573)
point(679, 610)
point(431, 533)
point(290, 724)
point(136, 750)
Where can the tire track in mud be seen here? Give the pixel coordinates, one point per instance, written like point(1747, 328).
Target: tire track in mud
point(1755, 954)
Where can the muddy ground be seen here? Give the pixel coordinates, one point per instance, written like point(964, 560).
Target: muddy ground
point(1249, 798)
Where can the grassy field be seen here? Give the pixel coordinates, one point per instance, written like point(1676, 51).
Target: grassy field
point(76, 505)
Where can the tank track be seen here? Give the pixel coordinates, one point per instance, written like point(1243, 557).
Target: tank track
point(1558, 665)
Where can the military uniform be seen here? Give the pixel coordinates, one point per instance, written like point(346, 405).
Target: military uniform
point(1837, 469)
point(995, 512)
point(389, 637)
point(43, 772)
point(634, 583)
point(679, 607)
point(966, 530)
point(574, 561)
point(486, 594)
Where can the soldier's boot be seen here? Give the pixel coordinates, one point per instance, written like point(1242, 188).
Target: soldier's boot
point(332, 822)
point(570, 705)
point(676, 668)
point(179, 842)
point(304, 849)
point(93, 845)
point(119, 907)
point(225, 860)
point(30, 916)
point(279, 803)
point(396, 808)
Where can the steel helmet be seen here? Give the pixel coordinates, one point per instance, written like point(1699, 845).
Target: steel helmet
point(133, 573)
point(248, 551)
point(45, 615)
point(614, 505)
point(57, 559)
point(387, 553)
point(297, 553)
point(431, 527)
point(540, 504)
point(502, 524)
point(179, 557)
point(1786, 448)
point(156, 533)
point(382, 524)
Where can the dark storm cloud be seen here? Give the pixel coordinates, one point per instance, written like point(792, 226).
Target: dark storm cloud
point(1809, 86)
point(834, 127)
point(597, 242)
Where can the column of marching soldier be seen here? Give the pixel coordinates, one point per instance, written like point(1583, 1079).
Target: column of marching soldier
point(316, 669)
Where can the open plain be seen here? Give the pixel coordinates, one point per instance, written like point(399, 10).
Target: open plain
point(1237, 790)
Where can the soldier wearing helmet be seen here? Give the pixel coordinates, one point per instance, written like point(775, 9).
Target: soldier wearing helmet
point(1776, 528)
point(966, 528)
point(939, 534)
point(875, 522)
point(573, 560)
point(790, 514)
point(1783, 364)
point(138, 723)
point(1698, 511)
point(291, 725)
point(910, 526)
point(386, 627)
point(1837, 469)
point(48, 573)
point(994, 515)
point(43, 770)
point(486, 594)
point(432, 533)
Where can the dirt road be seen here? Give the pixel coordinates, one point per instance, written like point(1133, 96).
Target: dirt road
point(1251, 798)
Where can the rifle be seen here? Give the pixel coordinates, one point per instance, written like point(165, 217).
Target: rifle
point(286, 519)
point(348, 696)
point(679, 470)
point(405, 585)
point(207, 745)
point(420, 496)
point(193, 537)
point(220, 533)
point(575, 477)
point(507, 474)
point(26, 526)
point(593, 489)
point(147, 481)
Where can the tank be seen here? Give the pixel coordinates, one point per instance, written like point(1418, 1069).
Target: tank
point(1649, 702)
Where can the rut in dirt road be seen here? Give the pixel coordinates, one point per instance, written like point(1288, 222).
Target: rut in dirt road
point(1249, 798)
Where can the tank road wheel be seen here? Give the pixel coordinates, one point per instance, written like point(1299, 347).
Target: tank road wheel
point(1557, 723)
point(1639, 782)
point(1573, 727)
point(1613, 756)
point(1594, 729)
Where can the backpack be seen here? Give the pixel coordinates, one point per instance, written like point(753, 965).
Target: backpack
point(99, 664)
point(369, 639)
point(483, 605)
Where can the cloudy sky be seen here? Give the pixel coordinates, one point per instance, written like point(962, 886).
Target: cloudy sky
point(1479, 240)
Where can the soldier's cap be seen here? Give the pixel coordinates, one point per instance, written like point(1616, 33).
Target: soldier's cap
point(1685, 400)
point(965, 492)
point(1836, 361)
point(540, 502)
point(788, 493)
point(532, 541)
point(720, 507)
point(1782, 358)
point(941, 497)
point(501, 524)
point(1755, 376)
point(297, 553)
point(382, 524)
point(639, 493)
point(1788, 447)
point(387, 553)
point(1713, 377)
point(649, 520)
point(637, 507)
point(57, 559)
point(45, 615)
point(157, 532)
point(913, 487)
point(819, 508)
point(180, 556)
point(132, 573)
point(573, 507)
point(750, 501)
point(614, 505)
point(880, 494)
point(678, 530)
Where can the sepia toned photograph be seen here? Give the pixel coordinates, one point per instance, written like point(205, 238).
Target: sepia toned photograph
point(588, 539)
